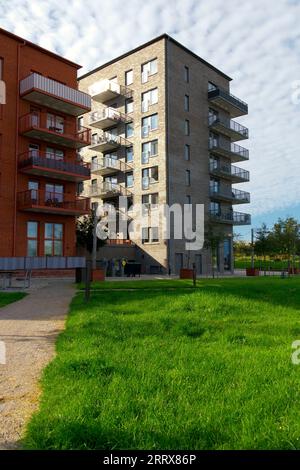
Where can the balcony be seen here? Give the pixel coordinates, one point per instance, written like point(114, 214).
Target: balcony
point(43, 164)
point(230, 172)
point(228, 127)
point(52, 94)
point(39, 125)
point(105, 90)
point(230, 217)
point(235, 196)
point(107, 117)
point(108, 165)
point(230, 103)
point(106, 141)
point(229, 150)
point(107, 189)
point(53, 203)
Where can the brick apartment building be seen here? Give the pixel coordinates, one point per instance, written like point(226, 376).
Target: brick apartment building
point(162, 132)
point(39, 142)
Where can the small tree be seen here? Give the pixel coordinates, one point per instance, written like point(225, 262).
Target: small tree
point(286, 239)
point(262, 245)
point(84, 233)
point(213, 239)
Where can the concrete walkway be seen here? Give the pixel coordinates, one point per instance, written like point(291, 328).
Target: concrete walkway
point(29, 328)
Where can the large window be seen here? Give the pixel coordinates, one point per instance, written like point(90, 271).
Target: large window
point(150, 235)
point(54, 154)
point(53, 239)
point(149, 149)
point(150, 200)
point(129, 105)
point(148, 69)
point(129, 179)
point(129, 129)
point(149, 123)
point(215, 208)
point(214, 185)
point(129, 154)
point(32, 238)
point(54, 192)
point(149, 176)
point(213, 140)
point(149, 98)
point(128, 77)
point(55, 123)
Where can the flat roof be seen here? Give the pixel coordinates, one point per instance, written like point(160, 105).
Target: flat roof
point(36, 46)
point(146, 44)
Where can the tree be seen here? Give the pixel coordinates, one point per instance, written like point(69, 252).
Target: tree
point(212, 241)
point(286, 239)
point(84, 233)
point(262, 244)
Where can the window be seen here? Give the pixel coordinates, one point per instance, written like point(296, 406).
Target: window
point(32, 238)
point(129, 105)
point(129, 180)
point(212, 116)
point(211, 86)
point(80, 187)
point(54, 154)
point(187, 152)
point(149, 176)
point(129, 129)
point(128, 77)
point(186, 102)
point(149, 149)
point(215, 208)
point(213, 140)
point(148, 69)
point(53, 239)
point(54, 193)
point(186, 74)
point(129, 154)
point(187, 177)
point(34, 150)
point(150, 200)
point(55, 123)
point(214, 185)
point(149, 123)
point(187, 127)
point(214, 163)
point(80, 123)
point(149, 98)
point(94, 163)
point(33, 186)
point(150, 235)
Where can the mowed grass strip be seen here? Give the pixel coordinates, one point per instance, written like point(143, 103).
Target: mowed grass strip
point(203, 369)
point(9, 297)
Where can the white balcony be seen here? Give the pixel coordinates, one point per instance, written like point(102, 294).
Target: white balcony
point(106, 117)
point(105, 90)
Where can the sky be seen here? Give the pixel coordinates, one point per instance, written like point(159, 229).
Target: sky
point(257, 43)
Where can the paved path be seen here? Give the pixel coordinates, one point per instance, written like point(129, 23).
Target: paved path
point(29, 329)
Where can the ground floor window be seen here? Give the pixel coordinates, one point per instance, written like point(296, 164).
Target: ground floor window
point(32, 238)
point(53, 240)
point(150, 234)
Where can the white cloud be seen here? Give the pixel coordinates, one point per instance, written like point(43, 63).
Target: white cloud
point(257, 43)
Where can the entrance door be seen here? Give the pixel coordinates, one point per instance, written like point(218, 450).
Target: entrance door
point(178, 262)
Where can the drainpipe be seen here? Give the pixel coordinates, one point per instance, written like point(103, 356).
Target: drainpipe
point(17, 148)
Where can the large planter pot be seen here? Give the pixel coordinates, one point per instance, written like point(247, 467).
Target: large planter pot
point(252, 271)
point(98, 275)
point(294, 271)
point(186, 273)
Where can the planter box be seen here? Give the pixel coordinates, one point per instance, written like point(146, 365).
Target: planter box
point(98, 275)
point(252, 271)
point(186, 273)
point(294, 271)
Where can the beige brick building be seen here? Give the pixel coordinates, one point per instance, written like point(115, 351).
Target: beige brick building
point(162, 133)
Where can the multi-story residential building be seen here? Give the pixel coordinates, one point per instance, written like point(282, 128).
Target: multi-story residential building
point(39, 143)
point(162, 133)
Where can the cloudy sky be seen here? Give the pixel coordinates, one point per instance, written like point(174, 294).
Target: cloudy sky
point(255, 42)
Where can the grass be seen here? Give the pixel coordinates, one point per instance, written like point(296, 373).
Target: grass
point(172, 368)
point(275, 265)
point(9, 297)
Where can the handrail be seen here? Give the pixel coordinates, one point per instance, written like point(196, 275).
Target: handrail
point(42, 198)
point(106, 137)
point(233, 148)
point(231, 216)
point(229, 97)
point(233, 194)
point(230, 170)
point(45, 160)
point(229, 124)
point(107, 112)
point(110, 162)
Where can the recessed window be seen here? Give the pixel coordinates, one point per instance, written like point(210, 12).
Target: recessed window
point(129, 105)
point(215, 208)
point(148, 69)
point(149, 123)
point(211, 86)
point(53, 239)
point(128, 77)
point(186, 74)
point(129, 129)
point(150, 200)
point(214, 185)
point(129, 154)
point(186, 102)
point(80, 123)
point(150, 234)
point(54, 193)
point(129, 180)
point(55, 123)
point(149, 149)
point(54, 154)
point(187, 152)
point(187, 127)
point(213, 140)
point(187, 177)
point(149, 98)
point(32, 238)
point(149, 176)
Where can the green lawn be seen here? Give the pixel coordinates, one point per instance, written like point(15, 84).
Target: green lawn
point(275, 265)
point(9, 297)
point(169, 368)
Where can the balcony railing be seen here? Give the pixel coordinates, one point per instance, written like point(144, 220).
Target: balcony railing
point(224, 99)
point(230, 217)
point(43, 90)
point(52, 202)
point(107, 117)
point(42, 163)
point(232, 172)
point(107, 141)
point(105, 90)
point(230, 150)
point(109, 164)
point(236, 196)
point(229, 127)
point(108, 189)
point(42, 126)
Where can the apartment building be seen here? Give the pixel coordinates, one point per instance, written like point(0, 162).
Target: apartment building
point(162, 133)
point(39, 142)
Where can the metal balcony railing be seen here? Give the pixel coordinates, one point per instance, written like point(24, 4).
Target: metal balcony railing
point(103, 138)
point(231, 148)
point(229, 170)
point(46, 160)
point(231, 99)
point(52, 201)
point(106, 113)
point(233, 194)
point(108, 188)
point(110, 162)
point(229, 124)
point(235, 218)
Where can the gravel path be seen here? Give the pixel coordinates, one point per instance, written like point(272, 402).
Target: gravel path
point(29, 328)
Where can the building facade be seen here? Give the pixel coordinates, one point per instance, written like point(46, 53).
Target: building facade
point(39, 142)
point(162, 133)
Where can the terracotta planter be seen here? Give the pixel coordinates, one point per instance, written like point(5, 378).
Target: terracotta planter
point(98, 275)
point(294, 271)
point(252, 271)
point(186, 273)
